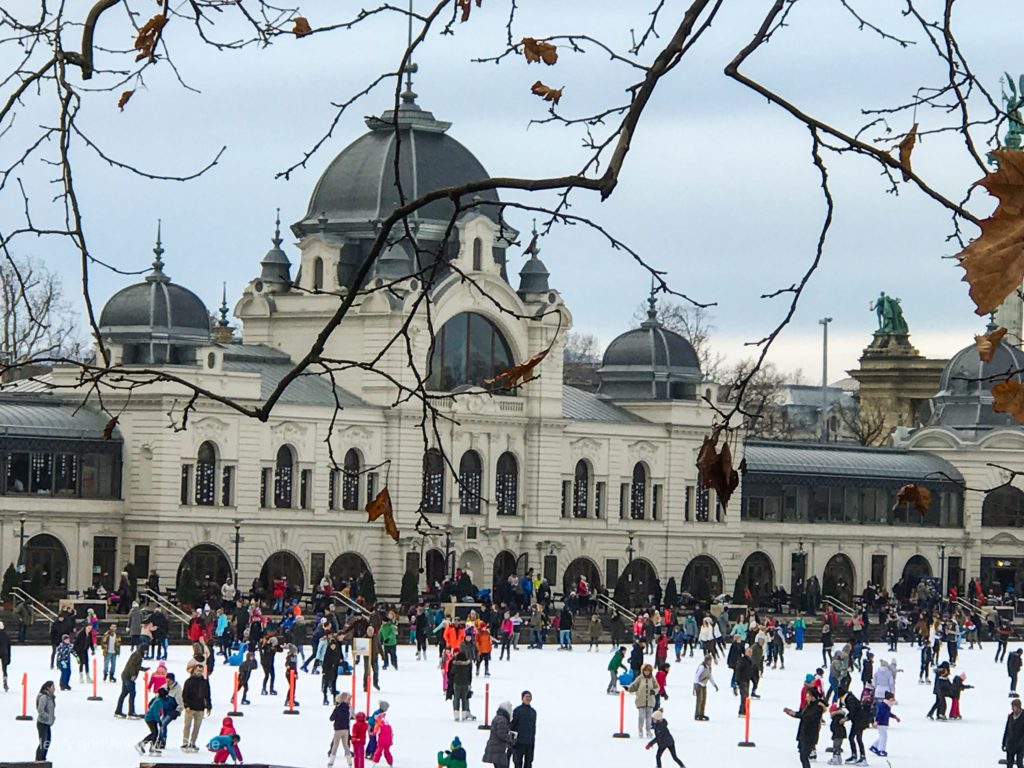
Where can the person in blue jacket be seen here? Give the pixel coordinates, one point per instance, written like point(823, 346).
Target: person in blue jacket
point(228, 742)
point(152, 720)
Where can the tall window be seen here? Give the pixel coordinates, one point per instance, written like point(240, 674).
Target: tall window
point(318, 274)
point(702, 505)
point(470, 477)
point(467, 350)
point(1003, 508)
point(186, 481)
point(433, 481)
point(599, 492)
point(350, 480)
point(227, 486)
point(478, 255)
point(506, 491)
point(638, 492)
point(284, 474)
point(306, 489)
point(581, 489)
point(206, 475)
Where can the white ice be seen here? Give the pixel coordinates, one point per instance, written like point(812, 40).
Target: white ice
point(576, 718)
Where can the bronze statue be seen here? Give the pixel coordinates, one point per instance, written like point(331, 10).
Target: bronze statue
point(890, 315)
point(1014, 101)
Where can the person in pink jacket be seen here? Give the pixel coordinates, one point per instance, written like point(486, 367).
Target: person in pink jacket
point(385, 738)
point(158, 679)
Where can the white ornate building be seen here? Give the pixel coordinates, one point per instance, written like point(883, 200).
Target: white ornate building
point(555, 478)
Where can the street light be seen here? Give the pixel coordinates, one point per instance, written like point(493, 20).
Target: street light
point(629, 549)
point(942, 571)
point(21, 550)
point(823, 322)
point(238, 539)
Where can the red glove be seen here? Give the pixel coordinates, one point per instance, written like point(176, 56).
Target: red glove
point(649, 746)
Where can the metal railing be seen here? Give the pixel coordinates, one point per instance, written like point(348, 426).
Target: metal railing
point(36, 605)
point(607, 602)
point(173, 611)
point(839, 606)
point(349, 604)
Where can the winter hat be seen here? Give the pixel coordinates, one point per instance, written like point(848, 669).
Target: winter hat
point(809, 678)
point(384, 706)
point(963, 676)
point(658, 715)
point(360, 717)
point(507, 706)
point(227, 722)
point(456, 743)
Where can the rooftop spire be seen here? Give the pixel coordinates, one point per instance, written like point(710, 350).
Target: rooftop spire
point(277, 230)
point(157, 275)
point(652, 306)
point(408, 95)
point(223, 322)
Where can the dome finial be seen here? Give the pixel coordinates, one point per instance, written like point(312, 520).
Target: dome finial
point(277, 230)
point(408, 95)
point(992, 324)
point(223, 322)
point(652, 306)
point(157, 275)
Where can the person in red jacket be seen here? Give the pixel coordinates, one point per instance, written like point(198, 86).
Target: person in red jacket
point(661, 652)
point(661, 678)
point(359, 728)
point(222, 754)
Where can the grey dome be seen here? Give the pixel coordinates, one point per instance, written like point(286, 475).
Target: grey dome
point(650, 363)
point(156, 321)
point(359, 186)
point(964, 400)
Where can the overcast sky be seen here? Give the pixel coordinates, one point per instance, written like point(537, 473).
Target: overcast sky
point(718, 189)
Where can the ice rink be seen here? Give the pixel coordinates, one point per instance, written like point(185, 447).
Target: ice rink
point(576, 718)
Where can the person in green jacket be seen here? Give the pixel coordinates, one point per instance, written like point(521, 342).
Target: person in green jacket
point(455, 757)
point(613, 669)
point(389, 642)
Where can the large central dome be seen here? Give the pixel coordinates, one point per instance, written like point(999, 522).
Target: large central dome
point(359, 186)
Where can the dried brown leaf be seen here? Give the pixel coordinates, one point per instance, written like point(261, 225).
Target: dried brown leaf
point(301, 28)
point(124, 99)
point(511, 376)
point(149, 36)
point(381, 506)
point(546, 92)
point(539, 50)
point(466, 6)
point(1008, 397)
point(994, 262)
point(987, 344)
point(716, 469)
point(906, 147)
point(917, 495)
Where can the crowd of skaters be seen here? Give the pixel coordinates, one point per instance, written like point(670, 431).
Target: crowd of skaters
point(241, 631)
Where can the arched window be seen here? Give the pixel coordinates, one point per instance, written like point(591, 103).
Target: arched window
point(318, 274)
point(470, 471)
point(350, 480)
point(581, 489)
point(468, 350)
point(206, 475)
point(506, 491)
point(1003, 508)
point(638, 492)
point(433, 481)
point(478, 255)
point(284, 471)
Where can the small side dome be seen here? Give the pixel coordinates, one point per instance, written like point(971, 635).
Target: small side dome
point(275, 266)
point(395, 262)
point(533, 277)
point(156, 321)
point(964, 399)
point(650, 363)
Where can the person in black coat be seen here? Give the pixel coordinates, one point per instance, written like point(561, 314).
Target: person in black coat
point(810, 725)
point(663, 738)
point(332, 660)
point(499, 742)
point(735, 652)
point(524, 726)
point(1013, 664)
point(5, 652)
point(744, 674)
point(859, 714)
point(460, 682)
point(636, 658)
point(1013, 736)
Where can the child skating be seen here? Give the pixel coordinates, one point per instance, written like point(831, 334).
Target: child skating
point(838, 730)
point(882, 717)
point(359, 729)
point(454, 756)
point(663, 739)
point(226, 745)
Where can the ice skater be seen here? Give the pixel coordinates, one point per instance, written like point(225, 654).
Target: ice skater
point(340, 721)
point(882, 718)
point(228, 745)
point(454, 756)
point(663, 739)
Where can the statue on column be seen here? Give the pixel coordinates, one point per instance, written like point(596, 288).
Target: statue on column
point(890, 316)
point(1014, 100)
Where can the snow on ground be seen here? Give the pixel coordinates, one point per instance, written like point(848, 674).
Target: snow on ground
point(576, 718)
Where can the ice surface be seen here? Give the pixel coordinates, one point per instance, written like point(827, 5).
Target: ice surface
point(576, 718)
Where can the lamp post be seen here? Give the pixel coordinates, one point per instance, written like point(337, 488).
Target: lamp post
point(629, 549)
point(238, 539)
point(823, 322)
point(21, 550)
point(449, 554)
point(942, 571)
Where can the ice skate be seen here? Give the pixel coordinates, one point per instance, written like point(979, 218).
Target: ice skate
point(140, 748)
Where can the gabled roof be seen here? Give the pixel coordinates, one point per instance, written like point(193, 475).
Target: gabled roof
point(586, 406)
point(271, 364)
